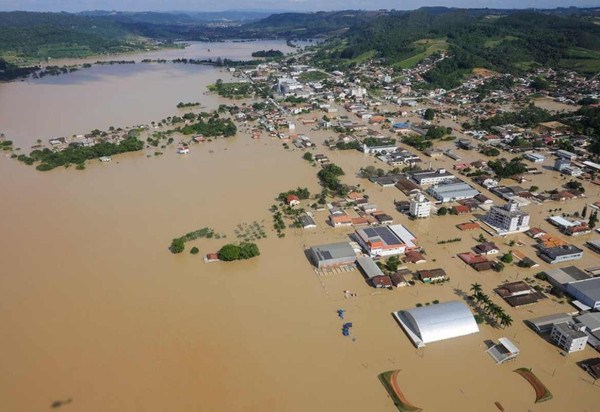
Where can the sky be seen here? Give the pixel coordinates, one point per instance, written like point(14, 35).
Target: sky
point(279, 5)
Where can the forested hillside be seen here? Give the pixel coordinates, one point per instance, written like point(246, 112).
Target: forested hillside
point(30, 36)
point(509, 42)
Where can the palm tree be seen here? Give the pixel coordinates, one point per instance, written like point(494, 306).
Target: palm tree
point(475, 288)
point(506, 320)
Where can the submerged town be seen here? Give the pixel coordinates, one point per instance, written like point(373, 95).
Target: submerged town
point(471, 212)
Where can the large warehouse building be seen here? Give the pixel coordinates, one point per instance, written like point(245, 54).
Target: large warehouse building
point(437, 322)
point(332, 255)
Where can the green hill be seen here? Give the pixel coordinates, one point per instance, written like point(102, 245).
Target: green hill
point(26, 36)
point(504, 41)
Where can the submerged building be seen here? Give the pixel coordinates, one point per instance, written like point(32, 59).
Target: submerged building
point(508, 218)
point(332, 255)
point(437, 322)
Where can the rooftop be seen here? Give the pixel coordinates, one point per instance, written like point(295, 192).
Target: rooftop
point(333, 251)
point(558, 251)
point(589, 287)
point(568, 329)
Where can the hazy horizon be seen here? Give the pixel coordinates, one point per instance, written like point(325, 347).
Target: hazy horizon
point(275, 5)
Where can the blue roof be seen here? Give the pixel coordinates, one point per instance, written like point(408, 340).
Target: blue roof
point(401, 125)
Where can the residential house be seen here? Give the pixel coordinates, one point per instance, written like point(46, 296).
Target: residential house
point(292, 200)
point(432, 275)
point(518, 293)
point(487, 248)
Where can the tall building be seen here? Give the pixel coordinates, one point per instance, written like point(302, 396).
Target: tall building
point(420, 206)
point(508, 218)
point(567, 336)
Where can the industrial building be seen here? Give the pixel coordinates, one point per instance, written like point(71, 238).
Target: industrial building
point(560, 278)
point(385, 240)
point(586, 292)
point(558, 254)
point(432, 177)
point(368, 267)
point(451, 192)
point(534, 157)
point(332, 255)
point(545, 324)
point(437, 322)
point(508, 218)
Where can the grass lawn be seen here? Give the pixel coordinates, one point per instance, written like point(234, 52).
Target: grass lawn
point(580, 59)
point(426, 48)
point(313, 76)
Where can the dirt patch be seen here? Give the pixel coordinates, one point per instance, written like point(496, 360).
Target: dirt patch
point(480, 71)
point(542, 393)
point(391, 384)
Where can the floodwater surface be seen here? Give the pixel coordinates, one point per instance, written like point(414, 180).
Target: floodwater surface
point(94, 309)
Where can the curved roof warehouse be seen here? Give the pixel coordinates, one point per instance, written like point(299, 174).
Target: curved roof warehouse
point(437, 322)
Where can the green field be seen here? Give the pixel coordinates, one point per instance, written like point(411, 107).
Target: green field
point(496, 41)
point(580, 59)
point(425, 48)
point(313, 76)
point(364, 57)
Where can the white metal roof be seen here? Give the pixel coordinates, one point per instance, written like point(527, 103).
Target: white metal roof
point(442, 321)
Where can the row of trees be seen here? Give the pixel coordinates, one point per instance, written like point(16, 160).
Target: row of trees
point(77, 154)
point(491, 309)
point(178, 244)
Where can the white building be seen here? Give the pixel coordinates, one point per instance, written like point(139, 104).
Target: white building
point(437, 322)
point(432, 177)
point(569, 337)
point(420, 206)
point(508, 218)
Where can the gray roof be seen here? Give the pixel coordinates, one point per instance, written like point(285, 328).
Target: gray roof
point(458, 189)
point(591, 320)
point(588, 287)
point(542, 321)
point(567, 275)
point(306, 220)
point(558, 251)
point(333, 251)
point(568, 329)
point(369, 267)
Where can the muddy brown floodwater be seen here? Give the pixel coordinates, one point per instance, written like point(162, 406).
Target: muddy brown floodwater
point(96, 310)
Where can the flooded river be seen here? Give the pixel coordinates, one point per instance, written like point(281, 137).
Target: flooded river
point(115, 95)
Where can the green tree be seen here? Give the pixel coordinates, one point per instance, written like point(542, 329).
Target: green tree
point(177, 245)
point(248, 250)
point(392, 263)
point(442, 211)
point(584, 212)
point(229, 253)
point(194, 250)
point(308, 156)
point(507, 257)
point(593, 220)
point(429, 114)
